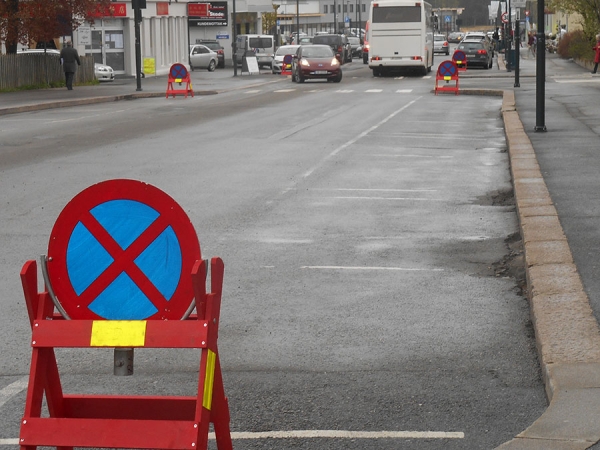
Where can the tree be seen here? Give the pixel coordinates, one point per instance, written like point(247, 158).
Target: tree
point(588, 9)
point(23, 21)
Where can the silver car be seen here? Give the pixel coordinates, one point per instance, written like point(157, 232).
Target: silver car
point(280, 54)
point(202, 57)
point(104, 72)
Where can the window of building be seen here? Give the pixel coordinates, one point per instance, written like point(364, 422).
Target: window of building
point(324, 9)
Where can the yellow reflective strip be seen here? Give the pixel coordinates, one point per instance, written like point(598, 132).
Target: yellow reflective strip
point(118, 333)
point(458, 62)
point(446, 78)
point(178, 80)
point(209, 379)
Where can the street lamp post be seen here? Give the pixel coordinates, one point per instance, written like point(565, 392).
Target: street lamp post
point(335, 16)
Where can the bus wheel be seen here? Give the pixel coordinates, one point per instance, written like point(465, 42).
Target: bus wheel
point(376, 72)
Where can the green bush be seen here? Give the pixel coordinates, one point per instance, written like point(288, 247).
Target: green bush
point(576, 45)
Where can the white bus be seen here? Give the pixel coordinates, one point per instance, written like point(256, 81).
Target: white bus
point(400, 36)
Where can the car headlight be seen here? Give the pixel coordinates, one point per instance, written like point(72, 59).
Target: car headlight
point(335, 62)
point(304, 62)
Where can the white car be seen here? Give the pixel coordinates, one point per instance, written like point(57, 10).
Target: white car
point(202, 57)
point(440, 44)
point(104, 72)
point(280, 54)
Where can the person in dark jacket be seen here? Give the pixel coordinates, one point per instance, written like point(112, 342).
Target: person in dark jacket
point(70, 60)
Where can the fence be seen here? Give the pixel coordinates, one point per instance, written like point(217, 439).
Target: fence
point(35, 69)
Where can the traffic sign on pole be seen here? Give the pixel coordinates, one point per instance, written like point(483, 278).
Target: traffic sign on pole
point(123, 250)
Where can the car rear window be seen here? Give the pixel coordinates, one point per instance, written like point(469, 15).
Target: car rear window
point(470, 46)
point(261, 42)
point(396, 14)
point(328, 40)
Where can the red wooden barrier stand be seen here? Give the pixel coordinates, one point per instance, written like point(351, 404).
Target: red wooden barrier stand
point(117, 421)
point(287, 61)
point(447, 72)
point(179, 74)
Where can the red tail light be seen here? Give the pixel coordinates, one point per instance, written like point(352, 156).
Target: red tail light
point(482, 52)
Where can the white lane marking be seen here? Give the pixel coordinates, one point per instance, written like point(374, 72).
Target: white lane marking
point(13, 389)
point(398, 78)
point(310, 171)
point(404, 91)
point(412, 156)
point(427, 77)
point(316, 90)
point(345, 91)
point(388, 198)
point(374, 90)
point(253, 91)
point(285, 90)
point(405, 269)
point(375, 190)
point(591, 80)
point(339, 434)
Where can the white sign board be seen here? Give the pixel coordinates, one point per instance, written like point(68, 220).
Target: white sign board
point(252, 64)
point(84, 35)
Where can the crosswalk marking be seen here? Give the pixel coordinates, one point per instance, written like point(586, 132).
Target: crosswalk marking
point(340, 91)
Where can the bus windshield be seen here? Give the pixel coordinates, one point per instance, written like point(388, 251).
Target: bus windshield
point(396, 14)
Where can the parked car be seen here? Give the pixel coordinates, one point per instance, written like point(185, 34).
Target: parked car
point(481, 36)
point(440, 44)
point(101, 71)
point(104, 72)
point(455, 37)
point(339, 44)
point(260, 45)
point(215, 46)
point(477, 53)
point(305, 40)
point(279, 55)
point(316, 61)
point(355, 46)
point(202, 57)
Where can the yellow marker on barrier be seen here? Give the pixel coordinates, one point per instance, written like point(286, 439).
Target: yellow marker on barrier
point(118, 333)
point(209, 379)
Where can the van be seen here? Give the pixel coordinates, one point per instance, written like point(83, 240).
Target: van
point(261, 45)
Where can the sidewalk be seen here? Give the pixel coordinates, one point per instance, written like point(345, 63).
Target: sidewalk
point(556, 185)
point(203, 83)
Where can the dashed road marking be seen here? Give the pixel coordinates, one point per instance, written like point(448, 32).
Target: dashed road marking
point(253, 91)
point(404, 91)
point(403, 269)
point(326, 434)
point(13, 389)
point(285, 90)
point(374, 90)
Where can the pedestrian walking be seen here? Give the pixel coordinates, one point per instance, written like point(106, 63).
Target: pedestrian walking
point(69, 59)
point(597, 56)
point(531, 43)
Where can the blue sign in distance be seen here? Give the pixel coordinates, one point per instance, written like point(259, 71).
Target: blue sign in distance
point(347, 19)
point(447, 69)
point(178, 71)
point(448, 19)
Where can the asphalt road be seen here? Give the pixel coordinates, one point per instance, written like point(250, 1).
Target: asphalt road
point(363, 226)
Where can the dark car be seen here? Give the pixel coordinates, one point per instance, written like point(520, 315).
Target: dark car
point(355, 45)
point(477, 54)
point(316, 61)
point(339, 44)
point(215, 46)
